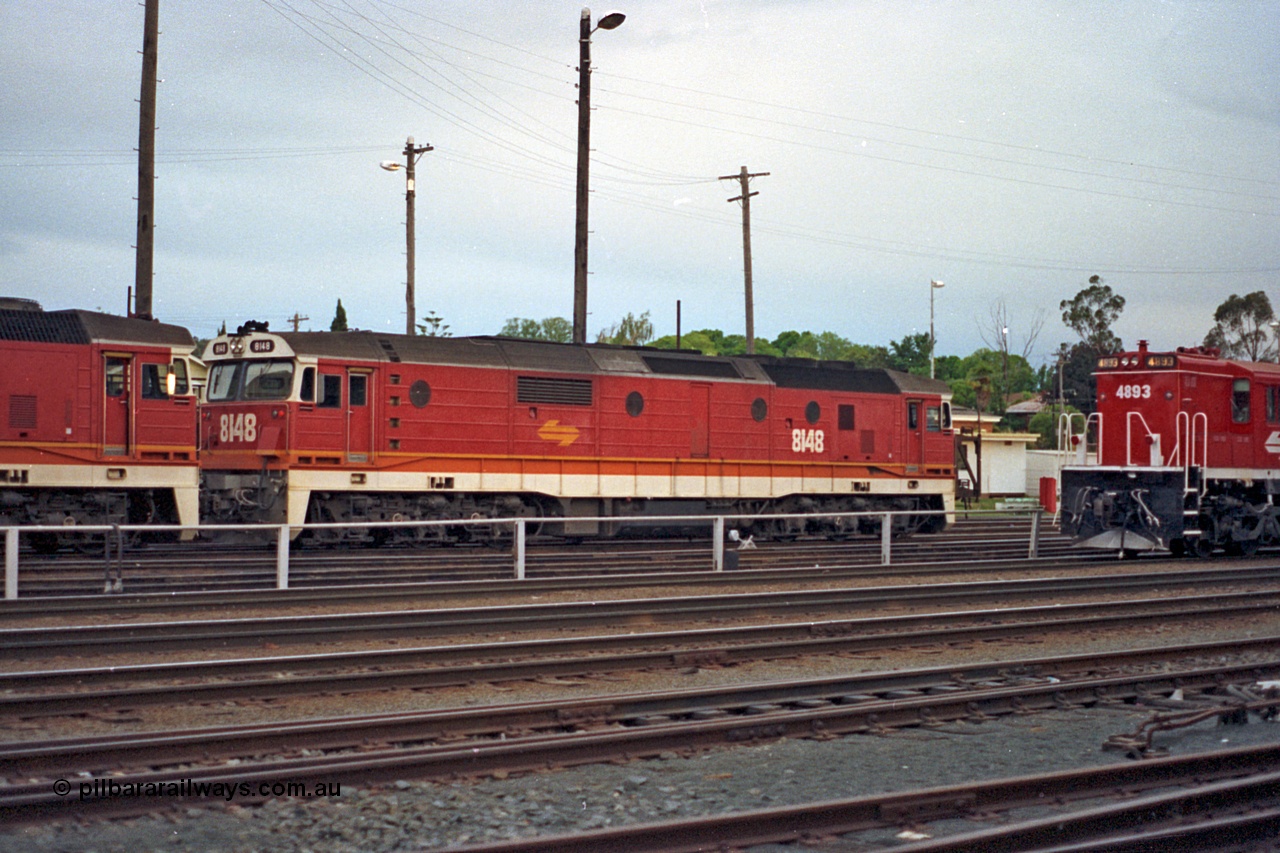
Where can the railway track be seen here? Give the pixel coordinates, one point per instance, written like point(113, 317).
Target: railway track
point(534, 736)
point(210, 567)
point(1215, 678)
point(44, 640)
point(1216, 801)
point(101, 689)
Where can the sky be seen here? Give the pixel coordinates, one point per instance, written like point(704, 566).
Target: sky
point(1010, 150)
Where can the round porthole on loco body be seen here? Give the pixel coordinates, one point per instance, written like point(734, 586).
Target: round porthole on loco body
point(759, 409)
point(812, 412)
point(635, 404)
point(419, 394)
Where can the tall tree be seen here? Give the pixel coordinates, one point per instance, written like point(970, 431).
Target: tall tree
point(629, 331)
point(339, 323)
point(548, 329)
point(434, 326)
point(911, 354)
point(1090, 314)
point(1242, 326)
point(998, 336)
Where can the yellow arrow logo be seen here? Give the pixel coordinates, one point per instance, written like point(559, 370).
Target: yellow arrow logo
point(553, 431)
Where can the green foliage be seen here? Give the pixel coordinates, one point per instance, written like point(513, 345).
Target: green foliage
point(434, 326)
point(339, 323)
point(1045, 423)
point(1241, 328)
point(911, 354)
point(948, 367)
point(629, 331)
point(1090, 314)
point(714, 342)
point(556, 329)
point(1079, 387)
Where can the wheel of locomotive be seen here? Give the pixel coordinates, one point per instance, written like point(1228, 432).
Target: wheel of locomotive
point(1178, 548)
point(1242, 548)
point(1203, 547)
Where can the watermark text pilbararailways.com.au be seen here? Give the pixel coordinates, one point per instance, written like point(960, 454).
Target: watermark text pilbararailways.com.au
point(101, 789)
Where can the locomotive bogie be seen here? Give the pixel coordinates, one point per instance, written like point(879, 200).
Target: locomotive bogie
point(1119, 508)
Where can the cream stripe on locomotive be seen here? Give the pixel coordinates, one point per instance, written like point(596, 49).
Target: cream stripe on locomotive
point(302, 482)
point(183, 480)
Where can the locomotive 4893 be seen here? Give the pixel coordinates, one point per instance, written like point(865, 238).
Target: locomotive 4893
point(1188, 455)
point(362, 426)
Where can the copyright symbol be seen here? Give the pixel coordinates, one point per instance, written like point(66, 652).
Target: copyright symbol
point(62, 787)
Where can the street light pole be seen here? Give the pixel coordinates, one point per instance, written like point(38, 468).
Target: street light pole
point(933, 341)
point(411, 155)
point(608, 22)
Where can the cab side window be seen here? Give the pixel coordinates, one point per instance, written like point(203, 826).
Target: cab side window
point(179, 370)
point(115, 377)
point(331, 392)
point(153, 382)
point(307, 393)
point(1240, 401)
point(357, 389)
point(1273, 404)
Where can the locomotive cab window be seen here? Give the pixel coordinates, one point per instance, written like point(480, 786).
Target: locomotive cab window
point(357, 389)
point(268, 380)
point(331, 387)
point(933, 418)
point(181, 383)
point(1273, 404)
point(154, 381)
point(223, 380)
point(1240, 401)
point(913, 415)
point(307, 393)
point(115, 377)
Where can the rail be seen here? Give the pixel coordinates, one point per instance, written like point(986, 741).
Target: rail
point(722, 554)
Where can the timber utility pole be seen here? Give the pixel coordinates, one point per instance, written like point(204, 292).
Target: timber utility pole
point(608, 22)
point(143, 266)
point(412, 153)
point(743, 177)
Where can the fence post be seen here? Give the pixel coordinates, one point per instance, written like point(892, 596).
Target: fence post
point(886, 530)
point(519, 546)
point(1033, 550)
point(282, 558)
point(717, 544)
point(11, 563)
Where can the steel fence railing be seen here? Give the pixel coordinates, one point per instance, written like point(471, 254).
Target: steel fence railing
point(115, 536)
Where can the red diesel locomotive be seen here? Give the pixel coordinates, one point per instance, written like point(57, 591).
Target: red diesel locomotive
point(363, 426)
point(1188, 455)
point(100, 420)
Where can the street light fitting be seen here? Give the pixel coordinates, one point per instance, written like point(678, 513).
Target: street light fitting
point(610, 21)
point(938, 283)
point(391, 165)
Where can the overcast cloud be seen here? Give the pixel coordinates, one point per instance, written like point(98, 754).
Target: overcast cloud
point(1009, 149)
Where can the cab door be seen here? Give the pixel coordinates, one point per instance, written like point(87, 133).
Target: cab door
point(117, 405)
point(359, 415)
point(915, 435)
